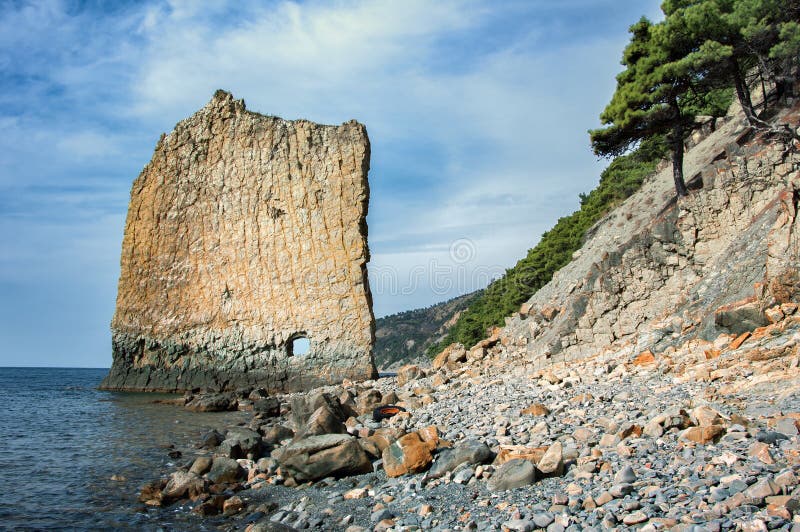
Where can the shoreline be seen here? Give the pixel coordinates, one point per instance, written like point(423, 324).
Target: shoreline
point(610, 444)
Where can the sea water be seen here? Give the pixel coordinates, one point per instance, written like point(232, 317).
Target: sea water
point(62, 440)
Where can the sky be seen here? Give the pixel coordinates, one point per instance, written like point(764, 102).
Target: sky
point(477, 113)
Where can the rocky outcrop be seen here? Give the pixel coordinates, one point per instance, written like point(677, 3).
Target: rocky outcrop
point(659, 271)
point(244, 233)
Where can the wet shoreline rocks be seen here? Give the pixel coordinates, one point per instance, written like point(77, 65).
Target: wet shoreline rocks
point(603, 444)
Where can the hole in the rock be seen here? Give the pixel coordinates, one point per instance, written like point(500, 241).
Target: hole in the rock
point(299, 345)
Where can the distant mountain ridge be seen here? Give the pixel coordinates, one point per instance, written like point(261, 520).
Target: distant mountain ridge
point(405, 336)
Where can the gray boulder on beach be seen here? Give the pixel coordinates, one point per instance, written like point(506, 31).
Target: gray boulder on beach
point(470, 452)
point(225, 471)
point(513, 474)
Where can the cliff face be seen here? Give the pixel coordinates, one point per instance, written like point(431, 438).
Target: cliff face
point(660, 271)
point(243, 233)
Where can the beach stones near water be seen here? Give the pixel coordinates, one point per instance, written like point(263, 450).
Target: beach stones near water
point(211, 439)
point(328, 455)
point(470, 452)
point(267, 407)
point(241, 441)
point(216, 402)
point(183, 484)
point(232, 506)
point(201, 465)
point(513, 474)
point(276, 434)
point(225, 471)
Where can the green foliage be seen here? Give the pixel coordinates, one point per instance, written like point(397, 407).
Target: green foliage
point(406, 335)
point(501, 298)
point(686, 65)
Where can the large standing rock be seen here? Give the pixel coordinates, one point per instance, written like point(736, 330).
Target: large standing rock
point(323, 421)
point(246, 440)
point(245, 232)
point(450, 356)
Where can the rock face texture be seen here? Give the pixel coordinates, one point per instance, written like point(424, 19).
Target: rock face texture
point(244, 233)
point(659, 271)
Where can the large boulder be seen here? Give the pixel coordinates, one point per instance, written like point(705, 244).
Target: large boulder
point(368, 400)
point(267, 407)
point(411, 453)
point(513, 474)
point(181, 485)
point(276, 433)
point(450, 356)
point(328, 455)
point(240, 442)
point(323, 421)
point(215, 402)
point(552, 463)
point(408, 373)
point(305, 405)
point(469, 452)
point(740, 317)
point(225, 471)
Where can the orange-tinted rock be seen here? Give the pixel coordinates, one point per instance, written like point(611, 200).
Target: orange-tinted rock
point(512, 452)
point(761, 451)
point(705, 416)
point(232, 506)
point(536, 409)
point(408, 373)
point(449, 356)
point(409, 454)
point(739, 341)
point(644, 359)
point(245, 232)
point(703, 434)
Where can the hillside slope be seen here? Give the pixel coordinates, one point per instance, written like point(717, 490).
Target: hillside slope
point(659, 271)
point(404, 337)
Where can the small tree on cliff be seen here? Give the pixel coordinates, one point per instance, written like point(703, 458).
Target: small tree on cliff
point(666, 75)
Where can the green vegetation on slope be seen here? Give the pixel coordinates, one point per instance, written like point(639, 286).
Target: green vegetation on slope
point(686, 65)
point(407, 335)
point(501, 298)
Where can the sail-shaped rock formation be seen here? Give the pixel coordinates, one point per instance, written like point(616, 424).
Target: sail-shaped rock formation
point(245, 233)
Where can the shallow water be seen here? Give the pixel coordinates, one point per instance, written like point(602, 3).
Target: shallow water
point(62, 440)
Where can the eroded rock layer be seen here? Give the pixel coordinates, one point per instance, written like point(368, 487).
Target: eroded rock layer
point(245, 232)
point(659, 271)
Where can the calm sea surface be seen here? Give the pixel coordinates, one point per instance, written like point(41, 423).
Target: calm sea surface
point(61, 440)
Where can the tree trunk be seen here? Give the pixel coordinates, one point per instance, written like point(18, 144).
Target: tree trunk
point(677, 160)
point(743, 92)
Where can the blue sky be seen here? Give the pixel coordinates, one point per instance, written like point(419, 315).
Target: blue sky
point(477, 113)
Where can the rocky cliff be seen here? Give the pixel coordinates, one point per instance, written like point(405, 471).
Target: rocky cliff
point(244, 233)
point(659, 270)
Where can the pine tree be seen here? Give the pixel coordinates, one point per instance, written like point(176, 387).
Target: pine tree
point(665, 75)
